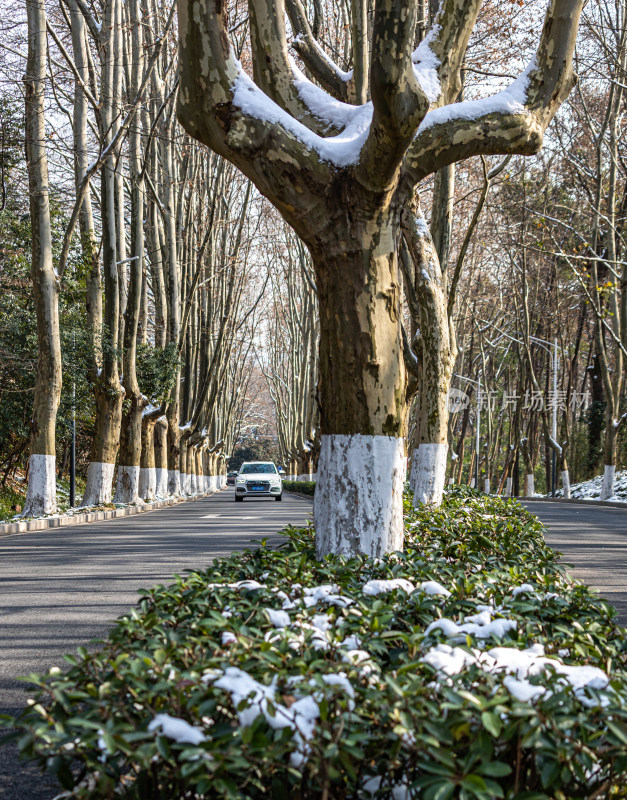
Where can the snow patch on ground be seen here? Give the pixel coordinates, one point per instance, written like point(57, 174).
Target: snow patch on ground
point(591, 490)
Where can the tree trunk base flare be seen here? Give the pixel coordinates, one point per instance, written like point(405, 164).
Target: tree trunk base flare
point(609, 475)
point(566, 484)
point(358, 504)
point(530, 485)
point(148, 483)
point(161, 482)
point(486, 486)
point(428, 473)
point(508, 487)
point(41, 495)
point(174, 483)
point(127, 485)
point(99, 483)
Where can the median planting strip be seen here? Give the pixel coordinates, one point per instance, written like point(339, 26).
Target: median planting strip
point(470, 665)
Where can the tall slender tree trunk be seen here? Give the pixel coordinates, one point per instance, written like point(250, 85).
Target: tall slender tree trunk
point(41, 496)
point(127, 489)
point(147, 474)
point(161, 457)
point(108, 390)
point(93, 294)
point(429, 446)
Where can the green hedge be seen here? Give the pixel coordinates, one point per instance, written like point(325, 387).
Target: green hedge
point(389, 700)
point(300, 487)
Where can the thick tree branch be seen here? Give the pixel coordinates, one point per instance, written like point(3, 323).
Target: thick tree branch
point(398, 100)
point(221, 107)
point(273, 70)
point(514, 120)
point(448, 41)
point(328, 74)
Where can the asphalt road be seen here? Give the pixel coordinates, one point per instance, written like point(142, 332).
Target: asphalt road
point(592, 540)
point(63, 587)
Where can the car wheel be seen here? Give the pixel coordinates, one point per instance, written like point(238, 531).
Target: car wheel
point(238, 498)
point(279, 497)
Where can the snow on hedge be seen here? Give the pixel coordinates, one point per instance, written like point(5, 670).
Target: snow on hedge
point(465, 658)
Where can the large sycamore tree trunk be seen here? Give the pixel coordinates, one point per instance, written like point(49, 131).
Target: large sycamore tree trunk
point(358, 500)
point(340, 175)
point(41, 495)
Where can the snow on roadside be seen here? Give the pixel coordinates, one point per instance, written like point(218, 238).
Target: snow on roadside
point(591, 490)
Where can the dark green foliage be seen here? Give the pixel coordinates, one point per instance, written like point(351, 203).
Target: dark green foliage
point(461, 737)
point(156, 370)
point(18, 330)
point(254, 450)
point(300, 487)
point(9, 499)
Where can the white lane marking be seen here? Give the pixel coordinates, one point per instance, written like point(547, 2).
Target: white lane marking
point(227, 516)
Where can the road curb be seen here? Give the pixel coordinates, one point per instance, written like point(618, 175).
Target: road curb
point(576, 501)
point(298, 494)
point(9, 528)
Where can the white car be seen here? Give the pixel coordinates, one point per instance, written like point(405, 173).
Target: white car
point(258, 479)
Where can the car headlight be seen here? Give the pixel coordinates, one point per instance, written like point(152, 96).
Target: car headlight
point(240, 480)
point(275, 481)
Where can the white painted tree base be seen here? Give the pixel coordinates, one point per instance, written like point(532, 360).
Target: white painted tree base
point(41, 494)
point(161, 482)
point(530, 485)
point(508, 487)
point(358, 504)
point(148, 483)
point(566, 484)
point(99, 483)
point(127, 485)
point(609, 475)
point(486, 485)
point(428, 473)
point(174, 483)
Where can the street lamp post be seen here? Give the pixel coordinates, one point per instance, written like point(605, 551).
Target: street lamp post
point(73, 451)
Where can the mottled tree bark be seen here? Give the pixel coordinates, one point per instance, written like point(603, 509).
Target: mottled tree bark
point(41, 497)
point(428, 300)
point(108, 390)
point(127, 489)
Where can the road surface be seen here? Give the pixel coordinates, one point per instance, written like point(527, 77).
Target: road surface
point(594, 541)
point(63, 587)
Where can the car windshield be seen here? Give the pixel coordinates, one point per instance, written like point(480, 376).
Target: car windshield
point(250, 469)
